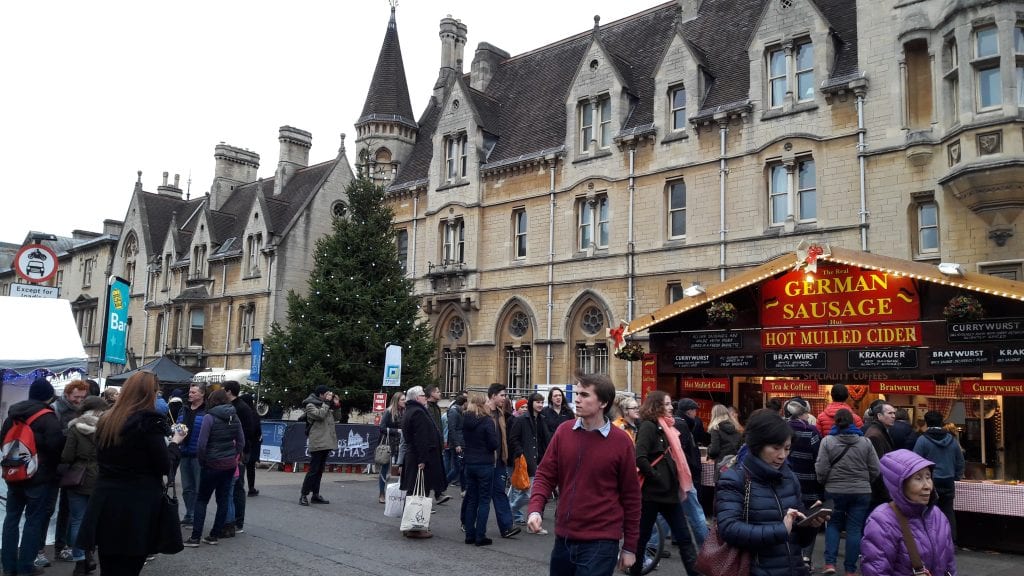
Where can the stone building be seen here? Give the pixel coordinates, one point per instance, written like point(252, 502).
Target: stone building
point(210, 273)
point(545, 197)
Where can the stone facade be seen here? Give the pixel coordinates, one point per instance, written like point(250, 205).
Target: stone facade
point(857, 105)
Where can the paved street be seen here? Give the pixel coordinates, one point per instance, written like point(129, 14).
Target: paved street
point(351, 536)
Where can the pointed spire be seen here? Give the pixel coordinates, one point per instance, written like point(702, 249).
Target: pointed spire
point(388, 96)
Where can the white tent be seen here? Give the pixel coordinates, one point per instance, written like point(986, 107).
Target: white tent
point(39, 333)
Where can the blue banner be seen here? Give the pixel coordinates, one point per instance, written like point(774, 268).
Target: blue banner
point(115, 331)
point(256, 359)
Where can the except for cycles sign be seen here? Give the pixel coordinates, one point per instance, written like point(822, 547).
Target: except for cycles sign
point(35, 263)
point(992, 387)
point(923, 387)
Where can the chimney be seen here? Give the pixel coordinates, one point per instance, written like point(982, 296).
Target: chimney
point(84, 235)
point(112, 227)
point(485, 62)
point(168, 190)
point(460, 45)
point(688, 9)
point(449, 38)
point(233, 167)
point(295, 145)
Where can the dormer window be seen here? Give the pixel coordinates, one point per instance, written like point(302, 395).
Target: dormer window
point(677, 105)
point(787, 66)
point(254, 244)
point(805, 71)
point(455, 157)
point(199, 261)
point(777, 77)
point(595, 123)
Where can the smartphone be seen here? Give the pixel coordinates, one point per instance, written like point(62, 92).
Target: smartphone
point(179, 429)
point(813, 514)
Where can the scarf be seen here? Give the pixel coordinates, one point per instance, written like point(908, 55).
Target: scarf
point(668, 424)
point(499, 417)
point(851, 429)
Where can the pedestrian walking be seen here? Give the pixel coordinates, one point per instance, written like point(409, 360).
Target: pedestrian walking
point(236, 494)
point(221, 442)
point(480, 434)
point(802, 457)
point(529, 439)
point(941, 447)
point(322, 411)
point(422, 452)
point(454, 461)
point(391, 432)
point(557, 410)
point(726, 436)
point(826, 419)
point(79, 456)
point(498, 404)
point(191, 415)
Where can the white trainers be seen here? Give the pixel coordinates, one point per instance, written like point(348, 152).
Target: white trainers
point(42, 561)
point(65, 555)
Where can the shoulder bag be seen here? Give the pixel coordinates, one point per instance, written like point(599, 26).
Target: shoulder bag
point(168, 526)
point(382, 455)
point(719, 558)
point(640, 475)
point(908, 538)
point(73, 477)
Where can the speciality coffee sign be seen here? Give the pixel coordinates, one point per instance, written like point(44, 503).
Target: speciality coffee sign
point(794, 361)
point(706, 384)
point(692, 360)
point(838, 294)
point(872, 359)
point(716, 340)
point(736, 361)
point(992, 387)
point(922, 387)
point(986, 330)
point(842, 337)
point(959, 357)
point(790, 386)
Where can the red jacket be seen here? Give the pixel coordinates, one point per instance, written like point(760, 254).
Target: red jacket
point(596, 476)
point(828, 417)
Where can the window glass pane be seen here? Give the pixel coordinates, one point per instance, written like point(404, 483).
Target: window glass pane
point(1020, 86)
point(678, 195)
point(779, 191)
point(679, 98)
point(929, 239)
point(805, 86)
point(679, 119)
point(606, 123)
point(805, 56)
point(806, 175)
point(602, 230)
point(986, 42)
point(1018, 40)
point(778, 91)
point(808, 205)
point(927, 215)
point(679, 223)
point(778, 63)
point(989, 88)
point(606, 110)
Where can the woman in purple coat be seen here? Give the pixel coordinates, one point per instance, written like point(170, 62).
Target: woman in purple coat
point(909, 480)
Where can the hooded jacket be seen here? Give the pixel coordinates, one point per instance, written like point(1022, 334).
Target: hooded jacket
point(221, 438)
point(80, 450)
point(481, 439)
point(321, 419)
point(883, 548)
point(940, 447)
point(827, 418)
point(725, 440)
point(49, 438)
point(855, 471)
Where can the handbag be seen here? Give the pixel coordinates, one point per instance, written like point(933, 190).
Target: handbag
point(382, 455)
point(520, 475)
point(640, 475)
point(168, 523)
point(72, 477)
point(719, 558)
point(394, 500)
point(416, 515)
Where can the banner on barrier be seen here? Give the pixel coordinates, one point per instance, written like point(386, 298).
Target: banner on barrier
point(356, 443)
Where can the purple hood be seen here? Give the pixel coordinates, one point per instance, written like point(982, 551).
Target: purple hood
point(897, 466)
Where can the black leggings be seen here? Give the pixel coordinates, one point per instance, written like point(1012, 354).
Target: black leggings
point(317, 463)
point(121, 565)
point(250, 465)
point(673, 513)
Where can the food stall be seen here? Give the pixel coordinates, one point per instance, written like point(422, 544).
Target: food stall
point(920, 337)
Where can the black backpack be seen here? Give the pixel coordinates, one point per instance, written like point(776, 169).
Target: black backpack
point(305, 421)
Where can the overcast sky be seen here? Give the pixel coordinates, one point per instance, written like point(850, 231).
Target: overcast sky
point(95, 91)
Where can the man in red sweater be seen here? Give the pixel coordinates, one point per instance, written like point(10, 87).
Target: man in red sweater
point(593, 464)
point(827, 417)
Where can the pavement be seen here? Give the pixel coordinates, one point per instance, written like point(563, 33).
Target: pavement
point(351, 537)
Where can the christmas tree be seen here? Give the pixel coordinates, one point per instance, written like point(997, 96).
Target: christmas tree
point(358, 301)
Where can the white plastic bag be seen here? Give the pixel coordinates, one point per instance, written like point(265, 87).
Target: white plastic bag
point(416, 515)
point(394, 501)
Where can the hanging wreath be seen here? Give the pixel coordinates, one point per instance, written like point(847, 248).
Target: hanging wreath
point(963, 308)
point(857, 391)
point(721, 313)
point(630, 352)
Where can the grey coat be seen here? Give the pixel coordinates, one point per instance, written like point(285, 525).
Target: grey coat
point(321, 418)
point(855, 472)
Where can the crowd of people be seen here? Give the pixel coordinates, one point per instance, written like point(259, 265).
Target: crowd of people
point(616, 466)
point(102, 462)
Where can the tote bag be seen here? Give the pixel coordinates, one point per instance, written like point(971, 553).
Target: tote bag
point(168, 524)
point(416, 515)
point(394, 500)
point(520, 475)
point(382, 455)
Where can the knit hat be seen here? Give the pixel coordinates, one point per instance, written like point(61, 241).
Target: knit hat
point(796, 407)
point(319, 390)
point(520, 404)
point(40, 390)
point(688, 404)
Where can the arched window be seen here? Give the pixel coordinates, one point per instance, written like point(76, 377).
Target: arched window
point(130, 254)
point(515, 333)
point(587, 329)
point(454, 338)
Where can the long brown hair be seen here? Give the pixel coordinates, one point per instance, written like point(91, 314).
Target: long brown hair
point(653, 407)
point(137, 395)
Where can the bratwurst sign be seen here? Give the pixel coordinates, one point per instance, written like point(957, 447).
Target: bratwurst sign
point(838, 294)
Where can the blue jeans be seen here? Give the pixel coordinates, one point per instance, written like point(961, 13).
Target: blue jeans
point(584, 557)
point(849, 513)
point(517, 499)
point(238, 497)
point(477, 500)
point(454, 467)
point(502, 509)
point(218, 481)
point(695, 517)
point(32, 501)
point(77, 504)
point(189, 470)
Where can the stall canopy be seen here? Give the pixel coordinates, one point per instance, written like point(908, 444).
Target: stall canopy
point(164, 368)
point(39, 333)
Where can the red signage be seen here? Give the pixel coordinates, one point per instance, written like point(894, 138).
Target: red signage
point(842, 337)
point(648, 375)
point(924, 387)
point(838, 294)
point(36, 263)
point(380, 401)
point(707, 384)
point(992, 387)
point(790, 386)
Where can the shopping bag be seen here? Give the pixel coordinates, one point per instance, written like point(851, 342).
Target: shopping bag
point(520, 475)
point(394, 500)
point(168, 534)
point(416, 515)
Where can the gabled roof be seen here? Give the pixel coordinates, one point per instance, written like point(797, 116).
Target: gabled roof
point(974, 282)
point(388, 96)
point(416, 168)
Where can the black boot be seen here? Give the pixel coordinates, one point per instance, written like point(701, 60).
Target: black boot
point(79, 568)
point(90, 562)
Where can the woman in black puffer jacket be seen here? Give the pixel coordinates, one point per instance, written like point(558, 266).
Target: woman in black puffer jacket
point(768, 528)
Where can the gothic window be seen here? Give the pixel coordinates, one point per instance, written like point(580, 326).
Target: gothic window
point(926, 222)
point(918, 84)
point(130, 253)
point(519, 367)
point(456, 328)
point(777, 77)
point(87, 267)
point(158, 334)
point(453, 365)
point(805, 71)
point(595, 122)
point(519, 324)
point(951, 78)
point(199, 261)
point(246, 325)
point(339, 209)
point(167, 271)
point(592, 321)
point(675, 292)
point(592, 359)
